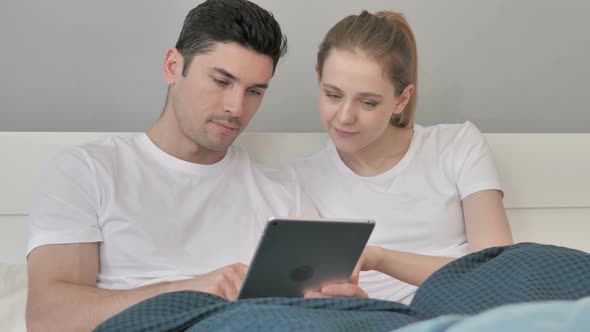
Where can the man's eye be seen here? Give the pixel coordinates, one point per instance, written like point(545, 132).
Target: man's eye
point(220, 82)
point(333, 96)
point(255, 92)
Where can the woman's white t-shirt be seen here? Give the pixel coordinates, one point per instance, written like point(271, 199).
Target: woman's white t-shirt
point(416, 205)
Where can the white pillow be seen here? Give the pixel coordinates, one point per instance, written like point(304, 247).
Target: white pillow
point(13, 297)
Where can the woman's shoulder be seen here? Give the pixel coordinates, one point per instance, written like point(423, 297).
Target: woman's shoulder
point(448, 135)
point(448, 131)
point(450, 141)
point(319, 157)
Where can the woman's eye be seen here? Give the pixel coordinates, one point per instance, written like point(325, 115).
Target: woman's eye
point(368, 103)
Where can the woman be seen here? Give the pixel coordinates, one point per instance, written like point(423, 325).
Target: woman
point(433, 191)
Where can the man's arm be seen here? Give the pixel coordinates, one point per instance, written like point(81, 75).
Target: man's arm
point(63, 295)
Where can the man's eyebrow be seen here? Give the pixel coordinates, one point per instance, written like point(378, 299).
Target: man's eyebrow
point(260, 86)
point(226, 73)
point(233, 77)
point(330, 86)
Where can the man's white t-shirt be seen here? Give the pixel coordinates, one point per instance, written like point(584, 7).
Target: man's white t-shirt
point(157, 216)
point(416, 205)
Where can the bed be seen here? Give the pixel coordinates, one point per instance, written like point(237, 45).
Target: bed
point(546, 178)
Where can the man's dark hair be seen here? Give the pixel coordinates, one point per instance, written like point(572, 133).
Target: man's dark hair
point(225, 21)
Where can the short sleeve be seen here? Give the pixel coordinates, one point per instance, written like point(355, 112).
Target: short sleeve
point(474, 163)
point(65, 207)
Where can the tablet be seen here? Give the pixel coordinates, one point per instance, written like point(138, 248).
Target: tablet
point(295, 255)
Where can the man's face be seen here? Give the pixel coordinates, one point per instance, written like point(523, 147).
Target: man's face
point(220, 93)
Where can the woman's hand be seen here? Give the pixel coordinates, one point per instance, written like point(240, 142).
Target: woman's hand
point(338, 290)
point(369, 260)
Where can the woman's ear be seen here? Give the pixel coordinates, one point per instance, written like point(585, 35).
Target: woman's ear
point(403, 99)
point(173, 64)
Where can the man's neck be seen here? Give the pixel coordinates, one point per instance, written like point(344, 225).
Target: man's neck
point(167, 135)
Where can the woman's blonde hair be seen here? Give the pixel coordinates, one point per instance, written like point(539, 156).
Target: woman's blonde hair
point(387, 37)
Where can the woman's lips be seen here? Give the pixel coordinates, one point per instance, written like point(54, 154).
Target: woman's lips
point(344, 133)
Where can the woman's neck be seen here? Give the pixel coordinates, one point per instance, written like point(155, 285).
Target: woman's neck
point(382, 155)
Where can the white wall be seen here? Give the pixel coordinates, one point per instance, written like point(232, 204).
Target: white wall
point(508, 66)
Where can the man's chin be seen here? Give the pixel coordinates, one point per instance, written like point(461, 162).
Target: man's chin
point(218, 148)
point(219, 144)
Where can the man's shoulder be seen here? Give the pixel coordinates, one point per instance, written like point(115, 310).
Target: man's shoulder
point(108, 145)
point(262, 173)
point(102, 150)
point(317, 160)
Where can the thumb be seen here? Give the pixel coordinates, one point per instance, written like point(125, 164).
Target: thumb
point(354, 277)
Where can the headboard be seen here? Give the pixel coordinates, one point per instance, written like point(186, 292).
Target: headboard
point(546, 178)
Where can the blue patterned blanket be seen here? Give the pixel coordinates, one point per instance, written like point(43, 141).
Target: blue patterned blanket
point(490, 278)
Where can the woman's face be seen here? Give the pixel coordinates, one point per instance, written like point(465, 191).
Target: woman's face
point(356, 100)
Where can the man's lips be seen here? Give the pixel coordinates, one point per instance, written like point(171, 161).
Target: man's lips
point(226, 126)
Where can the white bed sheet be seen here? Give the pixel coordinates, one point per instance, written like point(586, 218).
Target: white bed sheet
point(13, 297)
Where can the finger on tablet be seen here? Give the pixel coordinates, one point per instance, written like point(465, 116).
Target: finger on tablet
point(313, 294)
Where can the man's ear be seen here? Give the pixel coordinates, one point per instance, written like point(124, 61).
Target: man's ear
point(173, 64)
point(404, 99)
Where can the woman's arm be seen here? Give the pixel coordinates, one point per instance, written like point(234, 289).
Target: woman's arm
point(405, 266)
point(486, 225)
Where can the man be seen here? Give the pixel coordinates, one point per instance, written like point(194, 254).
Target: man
point(179, 200)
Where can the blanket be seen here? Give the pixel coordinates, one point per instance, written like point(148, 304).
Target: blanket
point(546, 316)
point(477, 282)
